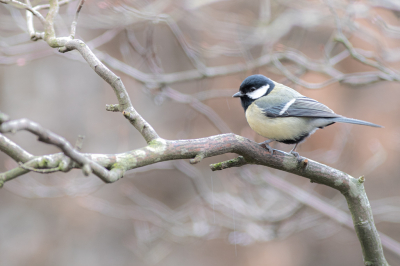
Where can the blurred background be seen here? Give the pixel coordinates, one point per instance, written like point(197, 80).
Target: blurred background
point(181, 61)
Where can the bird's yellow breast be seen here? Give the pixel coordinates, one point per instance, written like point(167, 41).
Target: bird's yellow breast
point(279, 128)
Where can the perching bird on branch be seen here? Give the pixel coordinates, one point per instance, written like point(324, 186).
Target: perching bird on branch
point(281, 114)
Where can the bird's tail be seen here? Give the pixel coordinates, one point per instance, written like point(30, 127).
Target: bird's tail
point(354, 121)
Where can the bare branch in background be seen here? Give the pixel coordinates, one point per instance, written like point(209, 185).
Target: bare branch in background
point(245, 45)
point(21, 5)
point(73, 25)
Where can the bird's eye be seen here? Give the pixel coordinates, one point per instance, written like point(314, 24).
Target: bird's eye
point(252, 89)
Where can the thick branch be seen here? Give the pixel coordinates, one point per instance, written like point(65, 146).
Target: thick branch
point(351, 188)
point(162, 150)
point(319, 204)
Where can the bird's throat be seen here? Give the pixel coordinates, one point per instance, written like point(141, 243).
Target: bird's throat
point(246, 102)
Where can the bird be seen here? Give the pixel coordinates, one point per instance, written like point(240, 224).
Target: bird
point(279, 113)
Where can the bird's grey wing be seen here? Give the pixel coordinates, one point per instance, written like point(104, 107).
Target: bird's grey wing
point(297, 107)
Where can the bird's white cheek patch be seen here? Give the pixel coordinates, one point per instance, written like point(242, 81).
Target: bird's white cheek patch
point(258, 92)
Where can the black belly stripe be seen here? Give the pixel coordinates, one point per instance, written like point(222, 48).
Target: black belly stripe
point(295, 140)
point(327, 125)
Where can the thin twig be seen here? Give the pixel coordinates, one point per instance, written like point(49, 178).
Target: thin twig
point(46, 6)
point(75, 21)
point(41, 171)
point(21, 5)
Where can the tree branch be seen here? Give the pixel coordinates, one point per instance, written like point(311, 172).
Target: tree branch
point(13, 150)
point(31, 29)
point(49, 137)
point(124, 102)
point(162, 150)
point(318, 203)
point(46, 6)
point(21, 5)
point(351, 188)
point(75, 22)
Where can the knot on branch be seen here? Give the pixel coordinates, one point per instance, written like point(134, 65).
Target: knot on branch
point(37, 36)
point(69, 44)
point(65, 164)
point(129, 116)
point(64, 49)
point(44, 162)
point(200, 156)
point(86, 169)
point(304, 162)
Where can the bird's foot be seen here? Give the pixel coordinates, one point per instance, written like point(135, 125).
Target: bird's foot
point(298, 157)
point(295, 154)
point(270, 149)
point(266, 146)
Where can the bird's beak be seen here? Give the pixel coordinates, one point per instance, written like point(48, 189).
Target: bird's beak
point(237, 94)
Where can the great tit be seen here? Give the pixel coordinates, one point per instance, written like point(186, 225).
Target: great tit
point(281, 114)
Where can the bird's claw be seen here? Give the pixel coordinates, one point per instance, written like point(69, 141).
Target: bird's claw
point(297, 155)
point(269, 148)
point(266, 146)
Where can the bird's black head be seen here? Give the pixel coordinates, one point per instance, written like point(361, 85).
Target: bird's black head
point(252, 88)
